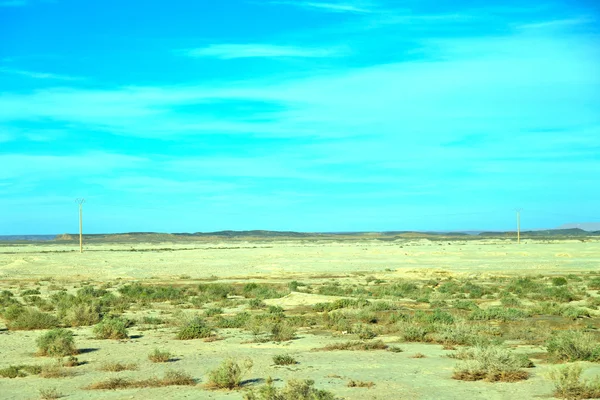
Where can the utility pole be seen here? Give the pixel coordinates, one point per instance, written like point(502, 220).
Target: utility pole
point(80, 202)
point(518, 210)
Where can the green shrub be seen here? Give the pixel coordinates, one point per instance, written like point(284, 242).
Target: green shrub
point(19, 318)
point(111, 328)
point(594, 283)
point(57, 343)
point(293, 390)
point(237, 321)
point(159, 356)
point(20, 371)
point(573, 346)
point(211, 312)
point(559, 281)
point(284, 359)
point(195, 328)
point(256, 304)
point(413, 333)
point(282, 332)
point(229, 374)
point(83, 314)
point(497, 313)
point(569, 385)
point(491, 363)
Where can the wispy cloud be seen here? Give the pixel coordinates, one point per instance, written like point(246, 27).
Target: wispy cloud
point(38, 75)
point(231, 51)
point(338, 7)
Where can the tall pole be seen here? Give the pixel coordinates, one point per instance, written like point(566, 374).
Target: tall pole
point(80, 202)
point(518, 210)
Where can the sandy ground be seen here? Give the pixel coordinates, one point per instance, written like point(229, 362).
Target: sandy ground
point(275, 260)
point(396, 375)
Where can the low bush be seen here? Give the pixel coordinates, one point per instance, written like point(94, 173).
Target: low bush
point(497, 313)
point(57, 343)
point(573, 346)
point(293, 390)
point(284, 359)
point(20, 371)
point(158, 356)
point(229, 374)
point(20, 318)
point(171, 378)
point(356, 345)
point(111, 328)
point(569, 385)
point(118, 367)
point(194, 328)
point(491, 363)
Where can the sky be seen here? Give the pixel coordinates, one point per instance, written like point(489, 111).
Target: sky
point(304, 115)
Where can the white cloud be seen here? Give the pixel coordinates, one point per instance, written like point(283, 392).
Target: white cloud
point(338, 7)
point(38, 75)
point(230, 51)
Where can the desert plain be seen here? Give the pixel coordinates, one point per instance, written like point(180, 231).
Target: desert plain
point(362, 318)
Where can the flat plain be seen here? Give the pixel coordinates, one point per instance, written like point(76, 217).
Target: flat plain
point(359, 318)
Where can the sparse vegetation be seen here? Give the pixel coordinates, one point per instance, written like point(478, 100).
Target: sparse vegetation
point(57, 343)
point(573, 346)
point(284, 359)
point(569, 385)
point(171, 378)
point(293, 390)
point(111, 328)
point(159, 356)
point(491, 363)
point(229, 374)
point(195, 328)
point(356, 345)
point(118, 367)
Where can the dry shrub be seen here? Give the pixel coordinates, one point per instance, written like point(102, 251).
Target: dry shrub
point(569, 385)
point(353, 383)
point(356, 345)
point(171, 378)
point(118, 367)
point(158, 356)
point(229, 374)
point(56, 343)
point(491, 363)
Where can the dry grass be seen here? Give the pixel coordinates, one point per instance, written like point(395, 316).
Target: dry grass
point(118, 367)
point(50, 394)
point(492, 364)
point(418, 355)
point(171, 378)
point(55, 371)
point(355, 345)
point(362, 384)
point(569, 385)
point(159, 356)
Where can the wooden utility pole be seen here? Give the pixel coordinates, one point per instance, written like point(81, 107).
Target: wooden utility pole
point(518, 210)
point(80, 202)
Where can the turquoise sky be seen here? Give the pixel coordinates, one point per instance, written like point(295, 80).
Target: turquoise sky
point(187, 116)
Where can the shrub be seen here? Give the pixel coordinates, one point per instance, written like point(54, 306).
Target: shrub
point(356, 345)
point(569, 385)
point(159, 356)
point(83, 314)
point(118, 367)
point(57, 343)
point(29, 319)
point(497, 313)
point(195, 328)
point(293, 390)
point(353, 383)
point(229, 374)
point(55, 371)
point(559, 281)
point(491, 363)
point(50, 394)
point(282, 332)
point(284, 359)
point(111, 328)
point(211, 312)
point(573, 346)
point(255, 304)
point(413, 333)
point(20, 371)
point(594, 283)
point(171, 378)
point(237, 321)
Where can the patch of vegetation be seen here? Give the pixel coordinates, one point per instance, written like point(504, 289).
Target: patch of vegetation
point(57, 343)
point(195, 328)
point(569, 385)
point(111, 328)
point(341, 303)
point(361, 384)
point(573, 346)
point(21, 318)
point(282, 332)
point(293, 390)
point(237, 321)
point(20, 371)
point(118, 367)
point(356, 345)
point(160, 356)
point(229, 374)
point(138, 293)
point(50, 394)
point(171, 378)
point(497, 313)
point(491, 363)
point(284, 359)
point(55, 370)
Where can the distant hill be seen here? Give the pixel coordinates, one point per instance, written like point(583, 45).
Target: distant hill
point(586, 226)
point(18, 238)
